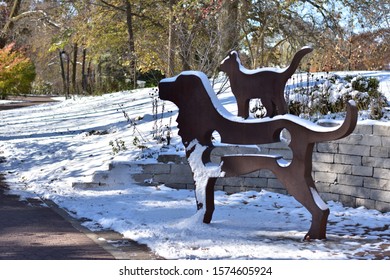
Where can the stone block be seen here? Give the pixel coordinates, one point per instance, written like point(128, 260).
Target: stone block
point(351, 139)
point(348, 190)
point(323, 187)
point(327, 147)
point(325, 177)
point(381, 173)
point(366, 129)
point(143, 178)
point(383, 130)
point(376, 162)
point(367, 203)
point(341, 168)
point(158, 168)
point(255, 182)
point(379, 195)
point(376, 183)
point(385, 141)
point(181, 169)
point(350, 180)
point(333, 168)
point(381, 152)
point(179, 186)
point(231, 181)
point(171, 158)
point(348, 159)
point(330, 196)
point(371, 140)
point(361, 139)
point(347, 200)
point(275, 184)
point(362, 170)
point(357, 150)
point(382, 206)
point(168, 178)
point(320, 166)
point(323, 157)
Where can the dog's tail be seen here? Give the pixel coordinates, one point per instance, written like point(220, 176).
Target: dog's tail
point(296, 60)
point(346, 128)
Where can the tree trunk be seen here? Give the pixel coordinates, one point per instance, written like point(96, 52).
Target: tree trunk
point(74, 69)
point(91, 78)
point(65, 72)
point(84, 81)
point(171, 40)
point(129, 21)
point(229, 26)
point(9, 23)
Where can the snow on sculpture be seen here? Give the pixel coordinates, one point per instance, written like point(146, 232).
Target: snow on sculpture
point(202, 174)
point(201, 113)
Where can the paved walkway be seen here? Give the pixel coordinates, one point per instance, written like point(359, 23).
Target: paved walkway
point(39, 230)
point(24, 101)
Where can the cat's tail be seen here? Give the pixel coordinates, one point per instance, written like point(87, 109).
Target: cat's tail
point(296, 60)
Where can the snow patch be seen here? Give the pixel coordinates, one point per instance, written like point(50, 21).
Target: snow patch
point(318, 200)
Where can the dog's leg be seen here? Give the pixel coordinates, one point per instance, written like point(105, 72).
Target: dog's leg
point(303, 190)
point(205, 175)
point(320, 213)
point(208, 215)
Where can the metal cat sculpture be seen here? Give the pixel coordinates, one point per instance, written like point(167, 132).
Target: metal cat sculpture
point(266, 84)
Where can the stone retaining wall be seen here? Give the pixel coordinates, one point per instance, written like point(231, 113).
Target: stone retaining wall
point(353, 170)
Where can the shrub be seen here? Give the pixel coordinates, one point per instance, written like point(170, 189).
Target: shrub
point(17, 72)
point(329, 95)
point(40, 87)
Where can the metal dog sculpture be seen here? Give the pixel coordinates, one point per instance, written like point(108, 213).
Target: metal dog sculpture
point(200, 114)
point(267, 84)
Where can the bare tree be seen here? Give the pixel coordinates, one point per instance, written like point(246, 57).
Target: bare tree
point(16, 14)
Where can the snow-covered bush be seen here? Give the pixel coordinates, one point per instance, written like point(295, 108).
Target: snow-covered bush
point(318, 96)
point(41, 87)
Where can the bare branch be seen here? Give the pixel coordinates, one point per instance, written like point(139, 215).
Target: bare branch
point(38, 13)
point(105, 3)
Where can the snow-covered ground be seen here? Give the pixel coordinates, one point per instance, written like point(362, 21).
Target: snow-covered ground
point(46, 148)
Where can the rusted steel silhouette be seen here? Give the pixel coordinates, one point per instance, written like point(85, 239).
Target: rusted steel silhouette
point(267, 84)
point(200, 114)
